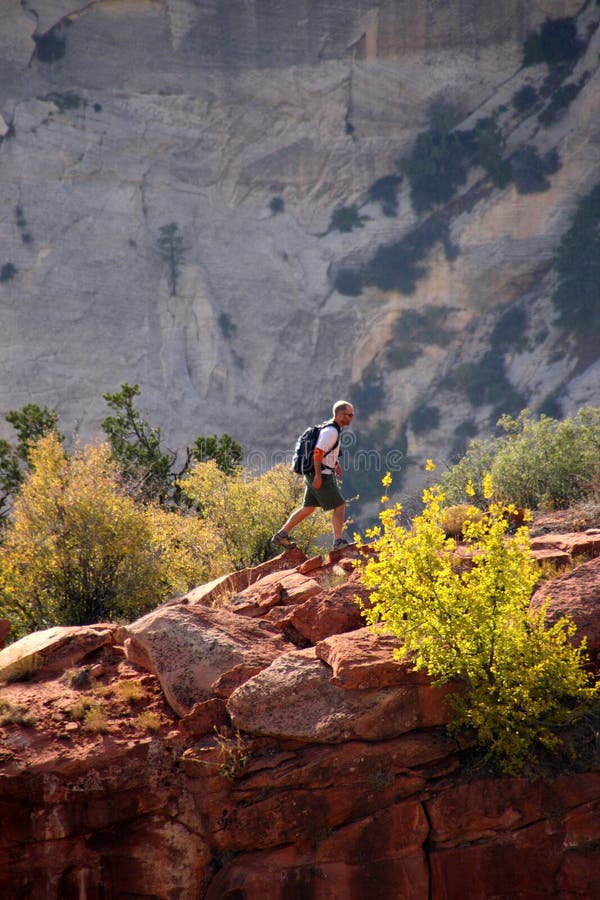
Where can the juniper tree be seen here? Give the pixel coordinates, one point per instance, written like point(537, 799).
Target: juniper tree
point(172, 250)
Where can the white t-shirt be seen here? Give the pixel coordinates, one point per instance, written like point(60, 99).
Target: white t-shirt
point(325, 442)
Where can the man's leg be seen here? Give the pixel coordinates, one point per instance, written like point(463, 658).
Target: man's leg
point(299, 515)
point(281, 538)
point(337, 521)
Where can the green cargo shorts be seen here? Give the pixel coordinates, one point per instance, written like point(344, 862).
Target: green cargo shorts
point(327, 497)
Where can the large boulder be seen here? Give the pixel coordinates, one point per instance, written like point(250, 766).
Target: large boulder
point(296, 698)
point(189, 649)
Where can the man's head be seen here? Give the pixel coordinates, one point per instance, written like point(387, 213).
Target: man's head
point(343, 413)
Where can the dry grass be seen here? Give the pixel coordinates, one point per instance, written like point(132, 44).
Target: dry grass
point(130, 691)
point(149, 721)
point(15, 715)
point(95, 721)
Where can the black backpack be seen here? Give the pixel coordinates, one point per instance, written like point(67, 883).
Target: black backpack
point(302, 460)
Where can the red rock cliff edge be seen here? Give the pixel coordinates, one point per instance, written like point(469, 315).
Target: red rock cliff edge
point(253, 741)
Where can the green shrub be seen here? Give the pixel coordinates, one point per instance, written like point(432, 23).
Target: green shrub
point(8, 272)
point(226, 451)
point(556, 42)
point(462, 433)
point(471, 469)
point(576, 263)
point(172, 249)
point(561, 98)
point(349, 282)
point(424, 419)
point(227, 326)
point(550, 407)
point(413, 330)
point(529, 169)
point(369, 392)
point(548, 463)
point(454, 519)
point(385, 192)
point(401, 356)
point(509, 332)
point(243, 509)
point(20, 217)
point(50, 46)
point(524, 98)
point(488, 150)
point(535, 463)
point(485, 382)
point(399, 266)
point(523, 682)
point(435, 168)
point(67, 100)
point(346, 219)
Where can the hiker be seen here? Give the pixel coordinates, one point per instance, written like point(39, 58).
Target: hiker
point(321, 485)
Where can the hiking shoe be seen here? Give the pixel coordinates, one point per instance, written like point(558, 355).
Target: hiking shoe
point(282, 539)
point(340, 544)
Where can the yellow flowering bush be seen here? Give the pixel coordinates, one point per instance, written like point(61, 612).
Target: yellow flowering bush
point(471, 621)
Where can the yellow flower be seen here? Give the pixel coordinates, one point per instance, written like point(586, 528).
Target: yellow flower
point(387, 479)
point(430, 466)
point(488, 489)
point(470, 490)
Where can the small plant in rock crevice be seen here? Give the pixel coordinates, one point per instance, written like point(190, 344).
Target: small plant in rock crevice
point(235, 753)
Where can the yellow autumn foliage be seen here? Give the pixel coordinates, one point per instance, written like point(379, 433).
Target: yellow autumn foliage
point(80, 550)
point(244, 509)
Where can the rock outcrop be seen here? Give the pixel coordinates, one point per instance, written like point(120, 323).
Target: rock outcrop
point(271, 747)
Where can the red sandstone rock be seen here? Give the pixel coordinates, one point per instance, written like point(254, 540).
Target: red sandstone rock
point(339, 785)
point(585, 543)
point(190, 648)
point(223, 587)
point(276, 588)
point(365, 659)
point(54, 649)
point(559, 557)
point(576, 594)
point(227, 683)
point(295, 698)
point(381, 856)
point(205, 717)
point(324, 614)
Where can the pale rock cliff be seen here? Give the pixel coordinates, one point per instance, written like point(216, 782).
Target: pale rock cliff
point(247, 125)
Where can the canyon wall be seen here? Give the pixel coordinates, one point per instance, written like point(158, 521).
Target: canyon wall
point(246, 126)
